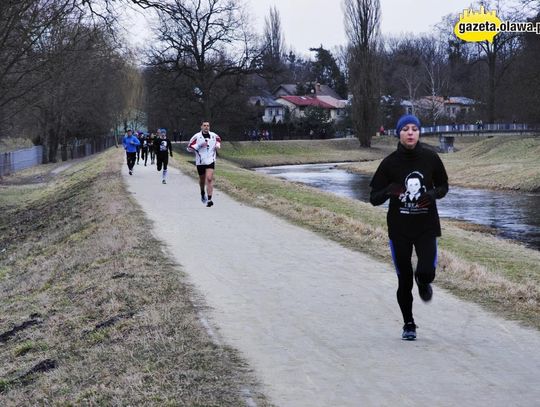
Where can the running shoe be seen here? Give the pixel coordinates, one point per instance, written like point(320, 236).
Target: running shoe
point(424, 290)
point(163, 181)
point(130, 172)
point(209, 204)
point(409, 332)
point(203, 199)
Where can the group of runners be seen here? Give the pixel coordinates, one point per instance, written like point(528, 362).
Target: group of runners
point(203, 144)
point(413, 177)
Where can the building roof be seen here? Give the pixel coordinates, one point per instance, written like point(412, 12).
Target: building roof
point(336, 103)
point(461, 100)
point(264, 101)
point(320, 90)
point(307, 101)
point(290, 88)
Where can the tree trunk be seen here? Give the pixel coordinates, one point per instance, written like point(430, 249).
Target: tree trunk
point(491, 87)
point(52, 145)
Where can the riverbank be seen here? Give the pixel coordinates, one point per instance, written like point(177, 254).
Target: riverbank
point(94, 310)
point(505, 163)
point(500, 275)
point(249, 154)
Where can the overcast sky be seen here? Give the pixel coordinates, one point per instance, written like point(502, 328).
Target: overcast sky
point(310, 23)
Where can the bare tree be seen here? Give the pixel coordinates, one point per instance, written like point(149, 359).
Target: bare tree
point(83, 77)
point(405, 61)
point(22, 25)
point(274, 44)
point(362, 21)
point(273, 49)
point(497, 56)
point(207, 42)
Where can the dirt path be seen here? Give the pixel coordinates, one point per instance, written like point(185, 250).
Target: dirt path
point(320, 324)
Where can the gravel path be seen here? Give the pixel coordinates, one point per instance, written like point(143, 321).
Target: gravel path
point(320, 324)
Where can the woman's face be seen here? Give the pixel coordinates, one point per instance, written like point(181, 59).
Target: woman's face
point(413, 185)
point(409, 136)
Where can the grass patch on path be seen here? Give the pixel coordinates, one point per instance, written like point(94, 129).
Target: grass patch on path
point(94, 312)
point(501, 275)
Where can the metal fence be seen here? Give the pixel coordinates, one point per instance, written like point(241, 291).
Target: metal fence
point(478, 129)
point(14, 161)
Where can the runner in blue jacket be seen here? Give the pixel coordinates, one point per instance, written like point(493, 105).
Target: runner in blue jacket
point(130, 143)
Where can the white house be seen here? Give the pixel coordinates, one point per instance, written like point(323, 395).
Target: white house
point(274, 112)
point(438, 106)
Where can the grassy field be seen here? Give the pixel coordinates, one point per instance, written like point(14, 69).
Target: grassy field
point(94, 312)
point(511, 163)
point(501, 275)
point(249, 154)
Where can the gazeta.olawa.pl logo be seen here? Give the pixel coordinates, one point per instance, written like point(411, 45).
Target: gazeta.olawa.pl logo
point(476, 26)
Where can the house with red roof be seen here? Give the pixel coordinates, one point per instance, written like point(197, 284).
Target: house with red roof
point(298, 104)
point(284, 98)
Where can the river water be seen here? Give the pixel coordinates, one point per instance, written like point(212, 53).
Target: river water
point(513, 215)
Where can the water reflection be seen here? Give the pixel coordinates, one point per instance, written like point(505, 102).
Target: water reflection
point(515, 216)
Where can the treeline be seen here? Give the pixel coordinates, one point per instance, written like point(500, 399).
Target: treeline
point(63, 74)
point(66, 76)
point(207, 62)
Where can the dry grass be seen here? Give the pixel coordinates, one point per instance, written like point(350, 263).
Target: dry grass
point(510, 163)
point(249, 154)
point(501, 275)
point(93, 310)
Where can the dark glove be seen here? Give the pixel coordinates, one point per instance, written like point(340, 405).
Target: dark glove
point(395, 189)
point(171, 154)
point(380, 196)
point(426, 199)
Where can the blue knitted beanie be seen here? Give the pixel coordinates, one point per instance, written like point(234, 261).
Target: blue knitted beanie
point(406, 119)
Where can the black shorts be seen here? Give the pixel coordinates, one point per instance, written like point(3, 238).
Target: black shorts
point(201, 169)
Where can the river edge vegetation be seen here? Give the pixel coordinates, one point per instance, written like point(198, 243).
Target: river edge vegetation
point(94, 311)
point(502, 276)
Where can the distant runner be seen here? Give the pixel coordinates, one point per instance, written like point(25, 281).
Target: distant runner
point(139, 137)
point(162, 148)
point(413, 177)
point(151, 141)
point(205, 145)
point(130, 143)
point(144, 148)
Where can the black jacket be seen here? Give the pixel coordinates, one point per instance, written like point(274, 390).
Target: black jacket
point(404, 176)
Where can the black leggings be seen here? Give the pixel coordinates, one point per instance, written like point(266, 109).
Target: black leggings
point(130, 158)
point(426, 251)
point(162, 159)
point(144, 154)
